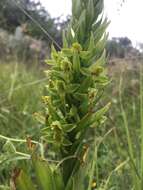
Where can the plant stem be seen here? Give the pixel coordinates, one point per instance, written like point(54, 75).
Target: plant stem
point(141, 121)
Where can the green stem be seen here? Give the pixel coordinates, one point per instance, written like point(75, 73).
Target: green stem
point(141, 121)
point(134, 171)
point(24, 141)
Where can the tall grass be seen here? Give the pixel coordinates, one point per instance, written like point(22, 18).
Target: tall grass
point(141, 128)
point(20, 87)
point(124, 147)
point(130, 151)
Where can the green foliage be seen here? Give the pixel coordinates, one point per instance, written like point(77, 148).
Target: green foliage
point(45, 177)
point(20, 87)
point(71, 104)
point(87, 26)
point(112, 151)
point(72, 109)
point(123, 147)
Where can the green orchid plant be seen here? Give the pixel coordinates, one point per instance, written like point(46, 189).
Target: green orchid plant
point(77, 80)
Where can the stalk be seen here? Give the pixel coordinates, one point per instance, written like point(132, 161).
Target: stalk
point(134, 170)
point(141, 121)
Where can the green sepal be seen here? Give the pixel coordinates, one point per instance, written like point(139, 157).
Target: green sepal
point(23, 182)
point(58, 180)
point(76, 62)
point(68, 127)
point(43, 174)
